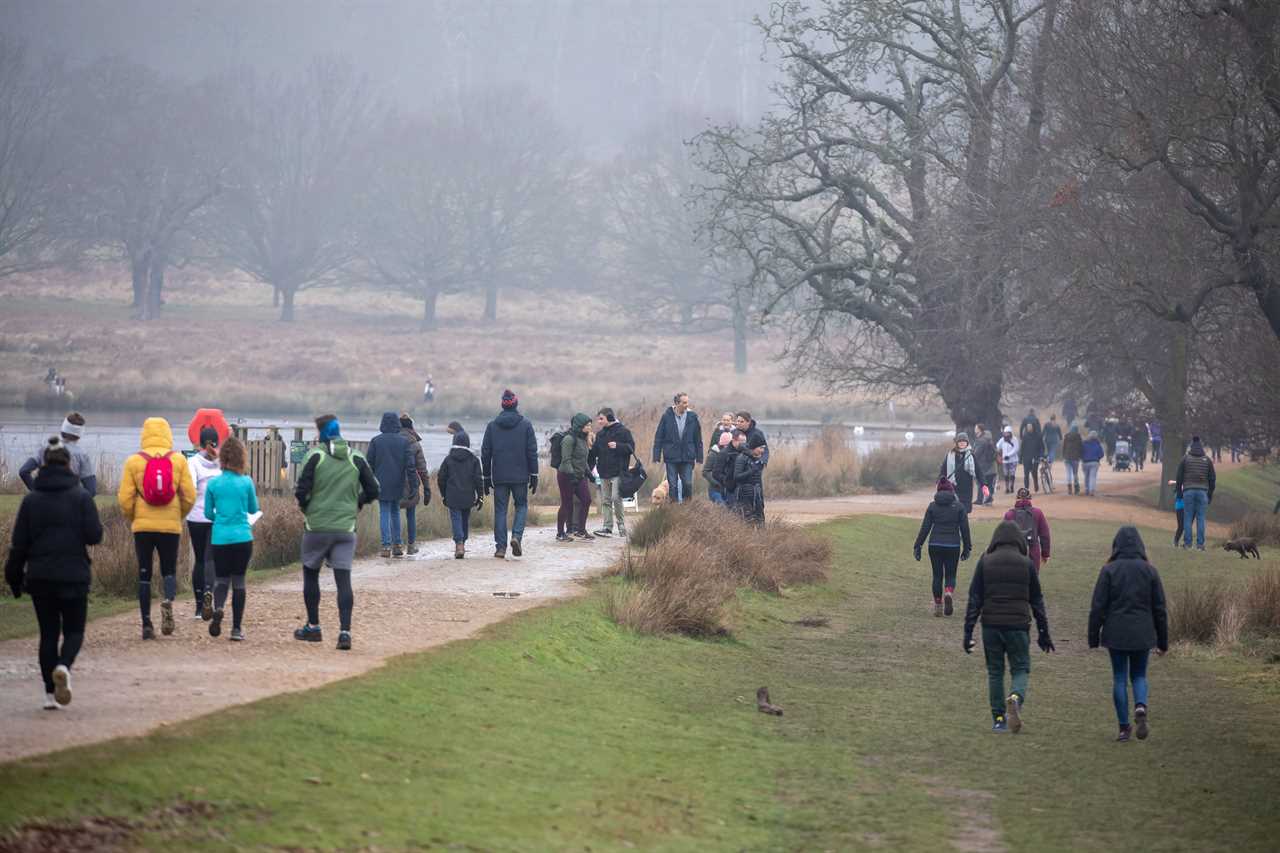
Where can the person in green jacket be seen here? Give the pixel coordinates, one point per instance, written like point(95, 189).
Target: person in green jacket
point(574, 478)
point(229, 500)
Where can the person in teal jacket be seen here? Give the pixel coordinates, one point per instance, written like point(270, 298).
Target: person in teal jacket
point(229, 500)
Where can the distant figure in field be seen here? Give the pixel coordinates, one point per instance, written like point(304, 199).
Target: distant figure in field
point(1156, 433)
point(1030, 453)
point(1070, 410)
point(678, 442)
point(1052, 439)
point(428, 390)
point(81, 465)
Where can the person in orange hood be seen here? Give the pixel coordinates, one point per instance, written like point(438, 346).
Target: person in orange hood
point(156, 493)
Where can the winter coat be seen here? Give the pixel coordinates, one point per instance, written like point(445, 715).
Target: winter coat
point(1128, 611)
point(1032, 447)
point(1073, 446)
point(574, 449)
point(725, 460)
point(55, 524)
point(611, 462)
point(945, 523)
point(459, 479)
point(747, 470)
point(962, 469)
point(670, 446)
point(390, 456)
point(1052, 436)
point(1008, 449)
point(1196, 471)
point(984, 454)
point(1155, 431)
point(81, 465)
point(709, 467)
point(1038, 550)
point(1029, 424)
point(334, 484)
point(228, 502)
point(509, 451)
point(156, 440)
point(202, 471)
point(754, 431)
point(419, 472)
point(1005, 590)
point(1092, 451)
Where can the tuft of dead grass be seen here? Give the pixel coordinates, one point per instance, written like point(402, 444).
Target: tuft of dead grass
point(1221, 615)
point(1261, 527)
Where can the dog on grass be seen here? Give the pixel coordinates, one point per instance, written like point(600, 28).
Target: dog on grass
point(1244, 546)
point(660, 493)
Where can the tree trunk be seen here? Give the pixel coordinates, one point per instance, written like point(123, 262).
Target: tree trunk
point(155, 288)
point(429, 297)
point(139, 267)
point(286, 308)
point(739, 341)
point(491, 303)
point(971, 402)
point(275, 297)
point(1173, 413)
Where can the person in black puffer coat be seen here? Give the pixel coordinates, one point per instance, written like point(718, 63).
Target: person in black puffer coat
point(49, 560)
point(461, 485)
point(725, 467)
point(609, 457)
point(946, 524)
point(1129, 617)
point(748, 478)
point(390, 457)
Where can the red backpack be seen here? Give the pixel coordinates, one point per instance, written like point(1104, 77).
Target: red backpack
point(157, 480)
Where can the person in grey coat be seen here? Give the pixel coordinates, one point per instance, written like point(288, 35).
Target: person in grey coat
point(390, 457)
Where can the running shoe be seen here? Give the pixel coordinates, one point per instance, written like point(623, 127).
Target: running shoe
point(62, 684)
point(411, 549)
point(583, 535)
point(499, 553)
point(516, 550)
point(397, 551)
point(1013, 710)
point(237, 635)
point(603, 532)
point(1139, 717)
point(948, 606)
point(207, 611)
point(148, 632)
point(308, 634)
point(1124, 734)
point(563, 537)
point(344, 641)
point(50, 703)
point(1000, 726)
point(937, 607)
point(215, 627)
point(166, 617)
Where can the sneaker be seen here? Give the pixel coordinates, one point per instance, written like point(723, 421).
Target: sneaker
point(459, 551)
point(148, 632)
point(308, 634)
point(583, 535)
point(397, 551)
point(563, 537)
point(999, 726)
point(206, 612)
point(1013, 710)
point(1124, 734)
point(237, 635)
point(1139, 717)
point(516, 550)
point(948, 606)
point(199, 614)
point(499, 553)
point(410, 549)
point(50, 703)
point(603, 532)
point(166, 617)
point(385, 553)
point(344, 641)
point(62, 684)
point(937, 607)
point(215, 627)
point(1199, 547)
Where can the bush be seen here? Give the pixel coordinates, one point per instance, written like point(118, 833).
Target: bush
point(1262, 527)
point(891, 470)
point(1218, 614)
point(825, 466)
point(1262, 597)
point(1194, 612)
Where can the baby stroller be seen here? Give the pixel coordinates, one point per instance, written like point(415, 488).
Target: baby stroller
point(1123, 458)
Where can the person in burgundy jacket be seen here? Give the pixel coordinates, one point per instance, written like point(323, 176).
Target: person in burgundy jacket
point(1034, 526)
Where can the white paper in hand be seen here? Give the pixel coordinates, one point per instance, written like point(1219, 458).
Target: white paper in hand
point(253, 518)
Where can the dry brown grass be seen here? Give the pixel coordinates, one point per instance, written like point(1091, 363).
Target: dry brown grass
point(1221, 615)
point(1261, 527)
point(825, 466)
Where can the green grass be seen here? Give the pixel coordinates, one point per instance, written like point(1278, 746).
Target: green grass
point(559, 730)
point(1239, 491)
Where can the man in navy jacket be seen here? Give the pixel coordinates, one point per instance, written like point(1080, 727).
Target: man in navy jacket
point(509, 457)
point(678, 442)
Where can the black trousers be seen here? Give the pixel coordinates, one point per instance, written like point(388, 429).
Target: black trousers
point(146, 544)
point(61, 616)
point(202, 565)
point(945, 563)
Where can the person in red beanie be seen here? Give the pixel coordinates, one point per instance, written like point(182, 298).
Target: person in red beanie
point(946, 525)
point(1034, 526)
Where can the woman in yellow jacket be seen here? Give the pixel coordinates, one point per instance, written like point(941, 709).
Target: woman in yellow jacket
point(156, 493)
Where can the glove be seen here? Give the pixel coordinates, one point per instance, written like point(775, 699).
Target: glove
point(479, 502)
point(533, 484)
point(488, 485)
point(1045, 644)
point(426, 497)
point(969, 644)
point(916, 551)
point(964, 555)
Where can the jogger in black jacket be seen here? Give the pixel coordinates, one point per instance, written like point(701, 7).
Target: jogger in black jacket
point(946, 524)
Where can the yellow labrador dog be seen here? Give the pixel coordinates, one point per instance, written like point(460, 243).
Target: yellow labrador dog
point(660, 494)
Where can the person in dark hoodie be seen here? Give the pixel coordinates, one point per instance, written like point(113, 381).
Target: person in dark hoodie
point(509, 459)
point(946, 524)
point(1128, 616)
point(390, 456)
point(748, 478)
point(419, 474)
point(1072, 453)
point(725, 461)
point(1031, 450)
point(49, 560)
point(574, 480)
point(1195, 483)
point(461, 483)
point(1005, 594)
point(984, 460)
point(608, 457)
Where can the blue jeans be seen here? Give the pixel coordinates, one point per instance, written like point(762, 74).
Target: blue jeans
point(716, 497)
point(1195, 502)
point(680, 476)
point(460, 520)
point(1073, 471)
point(1125, 667)
point(518, 492)
point(1091, 477)
point(389, 516)
point(411, 523)
point(1051, 453)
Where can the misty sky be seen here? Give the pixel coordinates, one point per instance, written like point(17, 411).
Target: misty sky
point(606, 66)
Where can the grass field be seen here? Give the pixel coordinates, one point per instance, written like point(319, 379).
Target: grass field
point(561, 731)
point(1239, 491)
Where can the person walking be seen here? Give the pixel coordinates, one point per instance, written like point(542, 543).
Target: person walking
point(608, 457)
point(1156, 433)
point(946, 525)
point(1179, 510)
point(1091, 456)
point(678, 442)
point(1196, 482)
point(461, 483)
point(156, 493)
point(711, 467)
point(419, 474)
point(1029, 423)
point(81, 463)
point(1129, 617)
point(1007, 447)
point(1052, 437)
point(335, 483)
point(960, 468)
point(49, 560)
point(390, 457)
point(509, 458)
point(229, 500)
point(748, 478)
point(1005, 594)
point(1072, 453)
point(573, 478)
point(1070, 410)
point(1139, 448)
point(1110, 432)
point(1030, 452)
point(204, 467)
point(1034, 526)
point(984, 460)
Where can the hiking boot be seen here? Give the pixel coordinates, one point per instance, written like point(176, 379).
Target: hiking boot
point(215, 627)
point(563, 537)
point(166, 617)
point(344, 641)
point(603, 532)
point(937, 607)
point(385, 553)
point(411, 549)
point(516, 550)
point(1124, 734)
point(50, 702)
point(1139, 717)
point(583, 535)
point(206, 611)
point(948, 605)
point(397, 551)
point(999, 726)
point(459, 551)
point(1013, 711)
point(237, 635)
point(308, 634)
point(62, 685)
point(148, 632)
point(499, 552)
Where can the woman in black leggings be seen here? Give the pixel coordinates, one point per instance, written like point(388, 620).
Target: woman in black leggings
point(204, 467)
point(49, 560)
point(946, 525)
point(229, 501)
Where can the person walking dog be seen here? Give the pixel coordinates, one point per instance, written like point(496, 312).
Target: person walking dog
point(678, 442)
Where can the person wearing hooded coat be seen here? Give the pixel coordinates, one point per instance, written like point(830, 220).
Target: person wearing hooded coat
point(1072, 453)
point(1128, 617)
point(962, 470)
point(509, 458)
point(461, 484)
point(984, 460)
point(1005, 593)
point(49, 560)
point(1034, 526)
point(1030, 453)
point(390, 457)
point(1195, 483)
point(946, 524)
point(574, 479)
point(419, 474)
point(748, 478)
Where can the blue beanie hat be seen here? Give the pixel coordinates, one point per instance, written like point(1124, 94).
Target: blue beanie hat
point(331, 430)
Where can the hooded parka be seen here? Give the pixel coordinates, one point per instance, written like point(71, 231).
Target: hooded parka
point(156, 440)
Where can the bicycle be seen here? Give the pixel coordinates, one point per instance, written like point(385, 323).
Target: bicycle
point(1046, 476)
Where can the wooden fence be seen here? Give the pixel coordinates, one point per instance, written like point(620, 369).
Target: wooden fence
point(274, 463)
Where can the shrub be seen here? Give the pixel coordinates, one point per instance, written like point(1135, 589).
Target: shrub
point(891, 470)
point(824, 466)
point(1262, 527)
point(1262, 600)
point(1194, 612)
point(1213, 613)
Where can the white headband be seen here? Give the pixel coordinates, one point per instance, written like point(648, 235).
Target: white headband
point(72, 429)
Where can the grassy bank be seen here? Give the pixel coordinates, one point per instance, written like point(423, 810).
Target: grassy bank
point(1239, 491)
point(561, 730)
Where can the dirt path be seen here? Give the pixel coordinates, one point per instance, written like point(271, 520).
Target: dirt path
point(124, 687)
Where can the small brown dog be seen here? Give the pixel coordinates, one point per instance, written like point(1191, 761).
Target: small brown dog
point(1244, 546)
point(660, 493)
